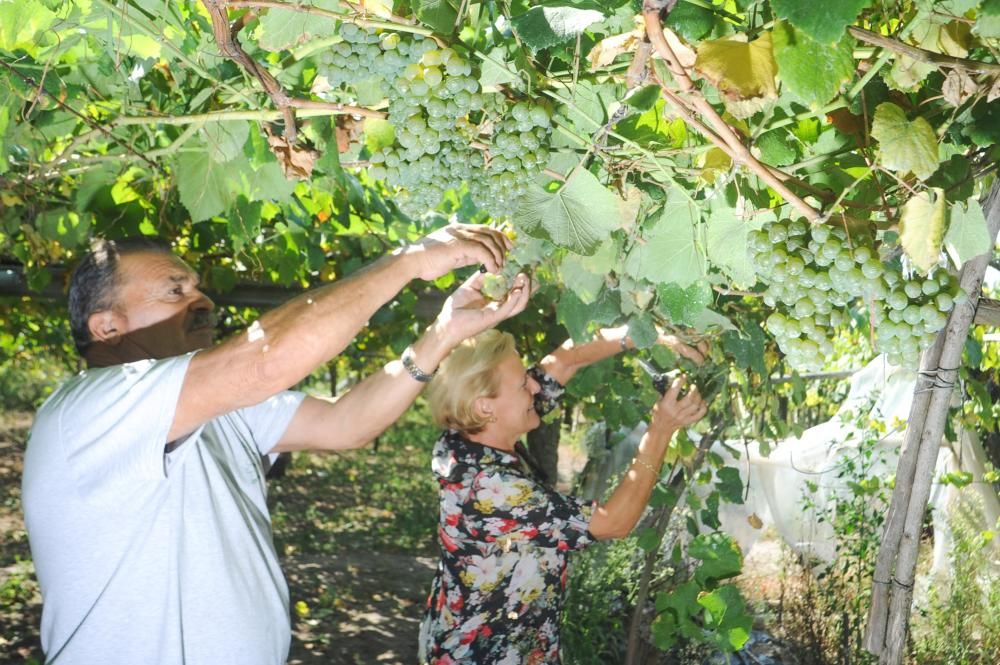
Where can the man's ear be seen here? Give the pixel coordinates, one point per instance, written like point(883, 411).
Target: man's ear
point(106, 327)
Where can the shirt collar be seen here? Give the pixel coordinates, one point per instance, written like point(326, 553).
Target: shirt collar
point(454, 451)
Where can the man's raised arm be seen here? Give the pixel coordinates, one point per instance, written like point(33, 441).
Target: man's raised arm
point(289, 342)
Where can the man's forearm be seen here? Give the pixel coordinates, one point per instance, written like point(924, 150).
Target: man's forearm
point(286, 344)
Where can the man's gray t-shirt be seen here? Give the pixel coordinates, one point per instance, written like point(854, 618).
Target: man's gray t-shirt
point(148, 557)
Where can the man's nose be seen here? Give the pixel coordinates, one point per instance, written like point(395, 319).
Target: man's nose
point(534, 386)
point(201, 301)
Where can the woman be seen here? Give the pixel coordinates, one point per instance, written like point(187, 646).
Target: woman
point(504, 536)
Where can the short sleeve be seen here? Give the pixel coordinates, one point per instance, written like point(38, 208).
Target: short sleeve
point(269, 419)
point(506, 506)
point(551, 391)
point(113, 422)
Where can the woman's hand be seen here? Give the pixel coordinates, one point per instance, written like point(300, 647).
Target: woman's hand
point(697, 353)
point(672, 412)
point(466, 312)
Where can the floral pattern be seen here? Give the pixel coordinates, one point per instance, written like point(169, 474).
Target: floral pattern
point(504, 537)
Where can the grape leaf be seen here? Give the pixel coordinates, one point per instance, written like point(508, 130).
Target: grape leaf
point(542, 27)
point(967, 235)
point(4, 122)
point(577, 277)
point(683, 306)
point(988, 21)
point(740, 70)
point(574, 315)
point(824, 24)
point(690, 21)
point(648, 539)
point(20, 22)
point(379, 134)
point(720, 557)
point(643, 331)
point(438, 14)
point(776, 148)
point(730, 485)
point(580, 216)
point(203, 184)
point(922, 227)
point(284, 28)
point(726, 246)
point(496, 70)
point(813, 80)
point(225, 139)
point(904, 146)
point(667, 252)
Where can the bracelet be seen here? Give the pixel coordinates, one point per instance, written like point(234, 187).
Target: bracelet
point(411, 367)
point(624, 343)
point(646, 465)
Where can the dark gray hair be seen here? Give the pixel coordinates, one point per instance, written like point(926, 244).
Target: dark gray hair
point(95, 279)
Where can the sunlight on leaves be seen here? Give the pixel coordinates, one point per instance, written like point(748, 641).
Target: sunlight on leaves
point(922, 227)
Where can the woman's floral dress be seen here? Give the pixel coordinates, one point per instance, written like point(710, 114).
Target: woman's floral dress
point(498, 592)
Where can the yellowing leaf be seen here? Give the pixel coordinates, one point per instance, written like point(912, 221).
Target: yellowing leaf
point(713, 163)
point(922, 227)
point(904, 146)
point(739, 69)
point(606, 50)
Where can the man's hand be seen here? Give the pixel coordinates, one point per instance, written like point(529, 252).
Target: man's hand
point(466, 312)
point(458, 245)
point(671, 414)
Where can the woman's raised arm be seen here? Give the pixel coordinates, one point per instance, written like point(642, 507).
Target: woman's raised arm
point(617, 517)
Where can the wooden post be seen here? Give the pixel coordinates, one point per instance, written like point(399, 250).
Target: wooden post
point(892, 591)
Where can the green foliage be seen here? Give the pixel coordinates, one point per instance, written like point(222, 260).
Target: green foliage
point(702, 610)
point(960, 623)
point(826, 26)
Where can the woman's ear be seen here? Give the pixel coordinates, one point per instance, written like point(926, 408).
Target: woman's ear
point(106, 327)
point(484, 408)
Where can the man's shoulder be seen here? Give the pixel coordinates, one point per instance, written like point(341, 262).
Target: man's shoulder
point(104, 383)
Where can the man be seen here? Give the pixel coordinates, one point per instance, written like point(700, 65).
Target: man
point(143, 485)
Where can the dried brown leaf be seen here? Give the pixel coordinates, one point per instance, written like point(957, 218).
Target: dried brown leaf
point(296, 161)
point(958, 87)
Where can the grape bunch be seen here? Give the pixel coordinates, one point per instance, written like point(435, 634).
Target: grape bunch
point(814, 272)
point(442, 121)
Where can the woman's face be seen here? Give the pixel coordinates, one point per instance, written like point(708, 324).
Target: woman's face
point(514, 405)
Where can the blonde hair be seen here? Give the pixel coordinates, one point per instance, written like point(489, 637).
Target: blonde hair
point(467, 374)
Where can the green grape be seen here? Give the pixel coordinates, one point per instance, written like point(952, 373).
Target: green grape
point(912, 315)
point(433, 77)
point(912, 289)
point(872, 269)
point(944, 302)
point(862, 255)
point(929, 287)
point(897, 300)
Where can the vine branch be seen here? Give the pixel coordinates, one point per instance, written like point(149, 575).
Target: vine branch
point(923, 55)
point(722, 135)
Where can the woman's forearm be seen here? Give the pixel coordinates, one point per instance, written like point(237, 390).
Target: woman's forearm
point(617, 517)
point(566, 360)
